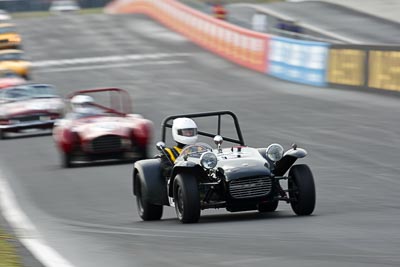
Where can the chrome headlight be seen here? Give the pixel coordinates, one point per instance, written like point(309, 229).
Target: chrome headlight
point(275, 152)
point(208, 160)
point(126, 142)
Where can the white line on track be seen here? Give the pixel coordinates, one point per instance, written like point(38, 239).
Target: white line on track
point(107, 59)
point(108, 66)
point(25, 230)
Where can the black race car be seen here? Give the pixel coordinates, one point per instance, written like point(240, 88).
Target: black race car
point(238, 178)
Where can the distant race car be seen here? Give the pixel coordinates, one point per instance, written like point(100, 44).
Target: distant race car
point(64, 6)
point(237, 178)
point(29, 107)
point(9, 38)
point(112, 132)
point(4, 15)
point(14, 60)
point(9, 78)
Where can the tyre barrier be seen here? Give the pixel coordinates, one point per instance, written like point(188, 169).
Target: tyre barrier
point(308, 62)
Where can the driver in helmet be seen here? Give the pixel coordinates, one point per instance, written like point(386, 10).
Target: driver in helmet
point(184, 132)
point(83, 105)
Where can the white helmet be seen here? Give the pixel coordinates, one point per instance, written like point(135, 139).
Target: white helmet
point(82, 103)
point(184, 131)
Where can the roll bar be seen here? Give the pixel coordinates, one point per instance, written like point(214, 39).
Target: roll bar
point(167, 123)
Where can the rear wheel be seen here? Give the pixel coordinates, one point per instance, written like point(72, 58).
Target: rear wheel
point(147, 211)
point(186, 198)
point(139, 152)
point(2, 135)
point(268, 207)
point(301, 189)
point(143, 154)
point(27, 77)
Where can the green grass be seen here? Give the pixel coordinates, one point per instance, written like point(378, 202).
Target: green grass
point(41, 14)
point(8, 256)
point(33, 14)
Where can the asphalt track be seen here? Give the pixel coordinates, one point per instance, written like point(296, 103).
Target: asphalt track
point(349, 24)
point(89, 215)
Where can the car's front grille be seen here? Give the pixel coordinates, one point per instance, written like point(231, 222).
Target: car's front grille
point(250, 187)
point(27, 118)
point(33, 117)
point(106, 143)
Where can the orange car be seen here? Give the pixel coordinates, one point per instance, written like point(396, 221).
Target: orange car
point(9, 38)
point(13, 59)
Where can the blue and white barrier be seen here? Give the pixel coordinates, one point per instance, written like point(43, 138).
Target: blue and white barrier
point(298, 61)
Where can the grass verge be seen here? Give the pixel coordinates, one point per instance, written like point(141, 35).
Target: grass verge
point(8, 255)
point(41, 14)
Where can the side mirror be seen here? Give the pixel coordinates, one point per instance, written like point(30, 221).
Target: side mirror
point(218, 141)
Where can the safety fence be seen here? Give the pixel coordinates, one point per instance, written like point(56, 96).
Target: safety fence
point(365, 66)
point(239, 45)
point(308, 62)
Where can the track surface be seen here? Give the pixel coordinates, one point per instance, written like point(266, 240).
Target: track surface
point(89, 215)
point(344, 22)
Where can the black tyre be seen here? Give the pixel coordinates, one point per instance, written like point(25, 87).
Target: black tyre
point(27, 77)
point(301, 189)
point(147, 211)
point(268, 207)
point(66, 160)
point(143, 154)
point(187, 199)
point(140, 152)
point(2, 135)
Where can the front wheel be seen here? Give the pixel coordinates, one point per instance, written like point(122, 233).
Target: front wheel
point(143, 153)
point(27, 77)
point(66, 160)
point(147, 211)
point(2, 135)
point(301, 189)
point(187, 198)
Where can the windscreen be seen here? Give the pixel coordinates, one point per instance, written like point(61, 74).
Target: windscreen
point(11, 56)
point(16, 94)
point(195, 151)
point(9, 29)
point(40, 91)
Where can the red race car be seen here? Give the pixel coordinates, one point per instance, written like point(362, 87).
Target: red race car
point(101, 127)
point(9, 78)
point(29, 107)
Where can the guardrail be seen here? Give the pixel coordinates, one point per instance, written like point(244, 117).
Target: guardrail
point(244, 47)
point(308, 62)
